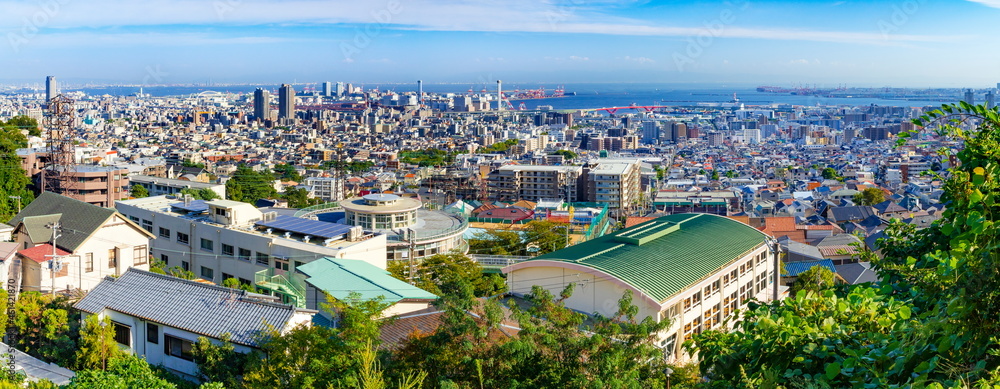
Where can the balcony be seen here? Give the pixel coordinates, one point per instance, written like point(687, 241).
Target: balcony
point(289, 286)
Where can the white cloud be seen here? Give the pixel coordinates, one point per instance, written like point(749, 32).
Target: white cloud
point(375, 18)
point(799, 62)
point(642, 60)
point(576, 58)
point(988, 3)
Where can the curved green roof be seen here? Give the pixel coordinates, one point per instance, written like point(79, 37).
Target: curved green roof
point(665, 255)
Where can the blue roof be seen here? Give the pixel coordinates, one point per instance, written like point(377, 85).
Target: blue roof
point(793, 269)
point(341, 277)
point(306, 226)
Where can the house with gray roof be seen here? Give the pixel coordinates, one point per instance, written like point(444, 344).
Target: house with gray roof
point(161, 317)
point(66, 244)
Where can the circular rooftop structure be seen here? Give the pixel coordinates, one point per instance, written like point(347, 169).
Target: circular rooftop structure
point(381, 211)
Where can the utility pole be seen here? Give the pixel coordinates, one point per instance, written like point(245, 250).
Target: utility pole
point(56, 228)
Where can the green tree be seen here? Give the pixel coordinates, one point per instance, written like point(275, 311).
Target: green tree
point(235, 284)
point(815, 279)
point(497, 242)
point(831, 174)
point(248, 185)
point(548, 236)
point(200, 194)
point(567, 154)
point(22, 122)
point(221, 362)
point(298, 197)
point(14, 182)
point(287, 173)
point(128, 372)
point(97, 344)
point(869, 196)
point(44, 327)
point(715, 175)
point(731, 174)
point(139, 191)
point(430, 273)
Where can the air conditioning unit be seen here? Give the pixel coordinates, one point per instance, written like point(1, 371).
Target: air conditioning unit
point(355, 234)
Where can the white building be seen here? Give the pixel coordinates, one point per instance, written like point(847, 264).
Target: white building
point(160, 317)
point(694, 270)
point(223, 239)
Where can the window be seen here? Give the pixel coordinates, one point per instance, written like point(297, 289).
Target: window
point(185, 265)
point(220, 212)
point(140, 255)
point(112, 258)
point(88, 262)
point(263, 259)
point(165, 259)
point(182, 238)
point(164, 233)
point(178, 348)
point(152, 333)
point(133, 218)
point(226, 276)
point(244, 281)
point(227, 250)
point(244, 254)
point(207, 273)
point(147, 225)
point(123, 334)
point(281, 263)
point(207, 245)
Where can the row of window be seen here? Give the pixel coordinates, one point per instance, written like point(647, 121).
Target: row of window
point(172, 346)
point(728, 279)
point(140, 256)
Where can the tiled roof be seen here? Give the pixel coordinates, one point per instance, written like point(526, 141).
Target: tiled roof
point(203, 309)
point(79, 220)
point(38, 253)
point(341, 277)
point(666, 255)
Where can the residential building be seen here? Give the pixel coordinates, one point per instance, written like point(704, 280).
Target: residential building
point(159, 186)
point(534, 182)
point(326, 188)
point(51, 88)
point(614, 182)
point(261, 104)
point(66, 244)
point(160, 317)
point(97, 185)
point(223, 239)
point(695, 270)
point(286, 102)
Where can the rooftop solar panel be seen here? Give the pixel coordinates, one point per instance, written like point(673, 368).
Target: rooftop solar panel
point(193, 206)
point(306, 226)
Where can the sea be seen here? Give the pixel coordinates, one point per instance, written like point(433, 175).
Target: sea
point(578, 96)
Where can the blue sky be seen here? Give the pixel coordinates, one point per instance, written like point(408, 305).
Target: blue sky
point(858, 43)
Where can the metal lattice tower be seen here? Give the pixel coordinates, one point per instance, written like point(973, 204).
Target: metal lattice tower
point(57, 177)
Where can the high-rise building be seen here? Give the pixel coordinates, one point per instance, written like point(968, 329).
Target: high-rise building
point(51, 88)
point(969, 97)
point(991, 99)
point(261, 104)
point(680, 132)
point(340, 89)
point(327, 88)
point(286, 102)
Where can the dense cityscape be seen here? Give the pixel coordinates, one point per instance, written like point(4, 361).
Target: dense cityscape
point(745, 195)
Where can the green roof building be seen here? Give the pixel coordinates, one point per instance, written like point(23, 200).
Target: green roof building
point(692, 269)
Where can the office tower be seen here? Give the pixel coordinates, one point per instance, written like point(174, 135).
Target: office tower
point(327, 88)
point(650, 132)
point(261, 104)
point(420, 92)
point(340, 89)
point(499, 96)
point(680, 132)
point(969, 97)
point(51, 88)
point(286, 101)
point(990, 99)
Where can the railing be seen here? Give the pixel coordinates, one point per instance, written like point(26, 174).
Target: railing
point(309, 211)
point(497, 261)
point(598, 226)
point(287, 284)
point(461, 227)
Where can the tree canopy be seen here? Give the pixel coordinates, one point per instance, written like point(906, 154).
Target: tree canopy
point(869, 196)
point(248, 185)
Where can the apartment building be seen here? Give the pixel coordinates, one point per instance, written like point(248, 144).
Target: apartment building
point(534, 183)
point(614, 182)
point(159, 186)
point(223, 239)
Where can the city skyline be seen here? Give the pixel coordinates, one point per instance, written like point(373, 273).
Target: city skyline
point(893, 43)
